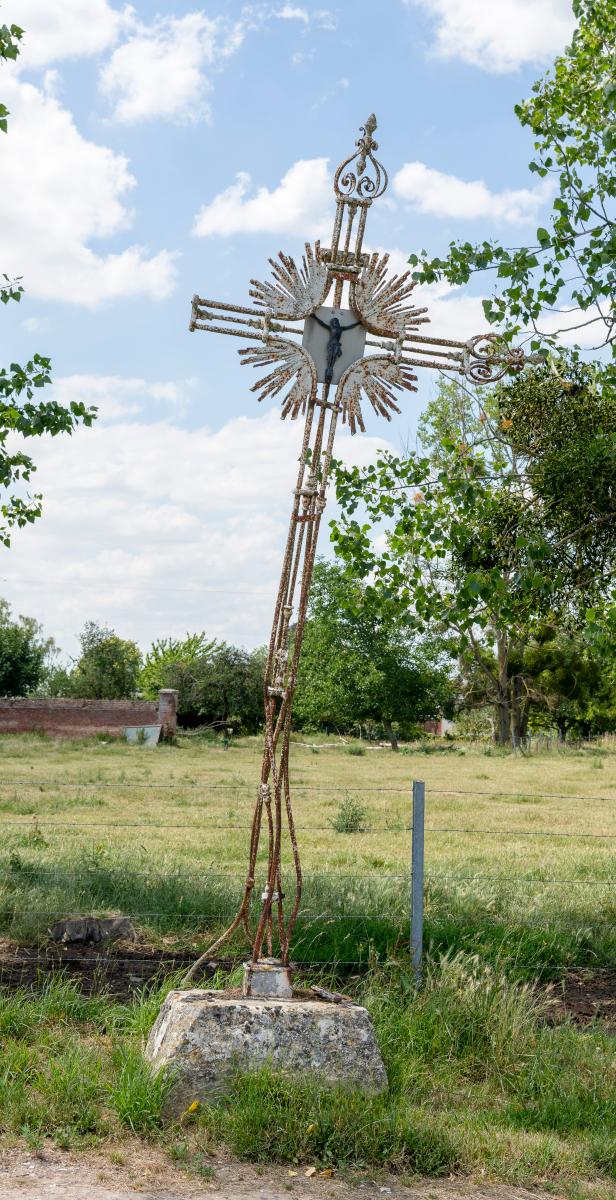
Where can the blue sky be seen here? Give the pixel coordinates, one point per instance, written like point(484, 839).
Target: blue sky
point(157, 150)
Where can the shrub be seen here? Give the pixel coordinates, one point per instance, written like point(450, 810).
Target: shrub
point(350, 816)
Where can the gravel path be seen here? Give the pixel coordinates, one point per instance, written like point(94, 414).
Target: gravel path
point(134, 1175)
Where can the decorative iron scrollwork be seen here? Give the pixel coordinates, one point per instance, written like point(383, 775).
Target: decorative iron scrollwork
point(487, 357)
point(361, 176)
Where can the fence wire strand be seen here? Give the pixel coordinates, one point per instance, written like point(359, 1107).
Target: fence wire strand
point(216, 903)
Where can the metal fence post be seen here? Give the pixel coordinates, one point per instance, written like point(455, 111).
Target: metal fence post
point(417, 878)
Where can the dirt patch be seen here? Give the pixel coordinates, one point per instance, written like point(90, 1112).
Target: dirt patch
point(120, 971)
point(585, 996)
point(128, 1172)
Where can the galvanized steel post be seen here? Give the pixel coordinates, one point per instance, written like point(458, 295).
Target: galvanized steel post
point(417, 878)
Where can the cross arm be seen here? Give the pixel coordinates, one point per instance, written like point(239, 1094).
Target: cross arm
point(483, 358)
point(235, 320)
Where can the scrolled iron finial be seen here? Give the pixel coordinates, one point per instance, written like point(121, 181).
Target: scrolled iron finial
point(361, 176)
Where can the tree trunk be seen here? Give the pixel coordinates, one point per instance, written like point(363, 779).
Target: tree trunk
point(502, 733)
point(519, 714)
point(389, 730)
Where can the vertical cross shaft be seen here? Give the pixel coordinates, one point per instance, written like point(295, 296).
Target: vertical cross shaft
point(380, 305)
point(355, 193)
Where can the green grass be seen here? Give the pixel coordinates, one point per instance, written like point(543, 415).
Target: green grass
point(479, 1084)
point(137, 1093)
point(161, 836)
point(345, 918)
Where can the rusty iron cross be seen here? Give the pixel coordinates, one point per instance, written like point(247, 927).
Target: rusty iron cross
point(316, 361)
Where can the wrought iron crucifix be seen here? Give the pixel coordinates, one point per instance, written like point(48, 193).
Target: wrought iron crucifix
point(315, 359)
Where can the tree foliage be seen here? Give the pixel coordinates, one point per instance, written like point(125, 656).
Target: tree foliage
point(176, 663)
point(359, 665)
point(217, 684)
point(23, 653)
point(10, 37)
point(567, 279)
point(21, 412)
point(108, 667)
point(566, 682)
point(501, 521)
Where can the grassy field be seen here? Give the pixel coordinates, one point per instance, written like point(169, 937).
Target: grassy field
point(161, 836)
point(480, 1083)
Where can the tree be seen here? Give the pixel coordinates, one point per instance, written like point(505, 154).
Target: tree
point(23, 653)
point(502, 520)
point(108, 667)
point(562, 432)
point(176, 663)
point(557, 681)
point(564, 680)
point(20, 413)
point(358, 665)
point(217, 685)
point(232, 688)
point(568, 278)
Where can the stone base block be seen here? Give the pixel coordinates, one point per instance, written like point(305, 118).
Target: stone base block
point(205, 1036)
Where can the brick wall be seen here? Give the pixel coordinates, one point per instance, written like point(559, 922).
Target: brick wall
point(78, 718)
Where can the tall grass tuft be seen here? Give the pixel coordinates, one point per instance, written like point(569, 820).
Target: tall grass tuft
point(271, 1118)
point(138, 1091)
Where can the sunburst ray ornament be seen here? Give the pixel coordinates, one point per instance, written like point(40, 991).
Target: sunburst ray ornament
point(295, 293)
point(378, 377)
point(295, 367)
point(322, 361)
point(379, 299)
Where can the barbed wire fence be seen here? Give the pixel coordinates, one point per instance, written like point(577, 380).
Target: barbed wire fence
point(358, 908)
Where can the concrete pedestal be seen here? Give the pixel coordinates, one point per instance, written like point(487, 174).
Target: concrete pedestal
point(206, 1036)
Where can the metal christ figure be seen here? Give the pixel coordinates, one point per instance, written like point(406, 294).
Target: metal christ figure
point(285, 310)
point(334, 349)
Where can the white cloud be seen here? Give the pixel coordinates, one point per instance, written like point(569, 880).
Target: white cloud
point(164, 69)
point(326, 19)
point(452, 312)
point(32, 324)
point(298, 205)
point(59, 192)
point(158, 71)
point(434, 192)
point(156, 528)
point(62, 29)
point(118, 397)
point(299, 57)
point(290, 12)
point(500, 35)
point(322, 17)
